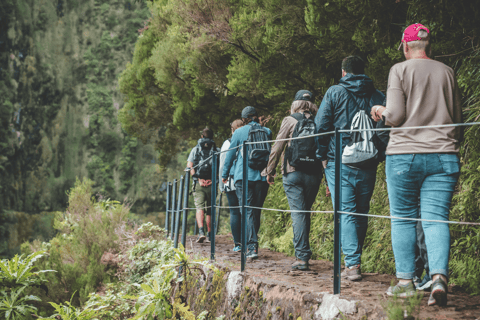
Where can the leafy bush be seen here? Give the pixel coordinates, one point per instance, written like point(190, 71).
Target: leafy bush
point(87, 230)
point(15, 305)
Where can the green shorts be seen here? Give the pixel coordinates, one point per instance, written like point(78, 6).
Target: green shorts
point(203, 198)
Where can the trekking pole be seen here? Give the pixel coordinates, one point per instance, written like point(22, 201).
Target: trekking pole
point(174, 201)
point(177, 213)
point(167, 210)
point(214, 200)
point(336, 215)
point(185, 210)
point(244, 209)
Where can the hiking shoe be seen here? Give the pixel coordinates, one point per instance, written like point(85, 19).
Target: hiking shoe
point(402, 290)
point(300, 265)
point(237, 248)
point(439, 293)
point(252, 254)
point(352, 273)
point(201, 237)
point(208, 237)
point(425, 284)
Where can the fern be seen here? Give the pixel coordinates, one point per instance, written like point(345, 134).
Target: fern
point(18, 271)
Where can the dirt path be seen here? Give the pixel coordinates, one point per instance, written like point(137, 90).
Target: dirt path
point(274, 266)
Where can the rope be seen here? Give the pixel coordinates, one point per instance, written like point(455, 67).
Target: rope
point(238, 207)
point(197, 209)
point(296, 138)
point(270, 209)
point(418, 127)
point(412, 219)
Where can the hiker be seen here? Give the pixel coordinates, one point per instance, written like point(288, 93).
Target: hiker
point(421, 92)
point(381, 138)
point(302, 172)
point(202, 175)
point(229, 189)
point(345, 104)
point(257, 161)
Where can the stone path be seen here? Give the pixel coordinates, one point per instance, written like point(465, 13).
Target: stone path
point(274, 268)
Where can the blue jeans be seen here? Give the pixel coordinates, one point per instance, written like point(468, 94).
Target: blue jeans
point(301, 190)
point(433, 176)
point(357, 190)
point(235, 217)
point(257, 192)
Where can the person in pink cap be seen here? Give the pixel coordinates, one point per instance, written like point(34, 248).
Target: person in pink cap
point(425, 162)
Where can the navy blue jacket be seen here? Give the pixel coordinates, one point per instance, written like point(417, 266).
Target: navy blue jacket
point(339, 105)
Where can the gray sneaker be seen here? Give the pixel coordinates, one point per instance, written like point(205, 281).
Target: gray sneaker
point(401, 290)
point(439, 293)
point(208, 237)
point(352, 273)
point(201, 238)
point(252, 254)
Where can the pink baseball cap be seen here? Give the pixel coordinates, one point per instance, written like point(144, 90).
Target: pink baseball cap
point(411, 33)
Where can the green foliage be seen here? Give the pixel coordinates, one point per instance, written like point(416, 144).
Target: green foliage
point(18, 271)
point(116, 303)
point(14, 305)
point(399, 309)
point(147, 254)
point(88, 230)
point(154, 300)
point(69, 312)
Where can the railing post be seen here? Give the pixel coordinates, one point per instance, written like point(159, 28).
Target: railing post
point(185, 210)
point(336, 216)
point(244, 204)
point(167, 212)
point(218, 215)
point(177, 213)
point(174, 205)
point(214, 200)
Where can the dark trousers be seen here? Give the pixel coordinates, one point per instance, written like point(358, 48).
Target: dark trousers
point(257, 192)
point(421, 257)
point(301, 189)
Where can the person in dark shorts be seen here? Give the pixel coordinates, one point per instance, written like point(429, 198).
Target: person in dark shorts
point(202, 182)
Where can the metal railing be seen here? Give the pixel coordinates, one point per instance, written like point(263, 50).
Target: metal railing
point(174, 208)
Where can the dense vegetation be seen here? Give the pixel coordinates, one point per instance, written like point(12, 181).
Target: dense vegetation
point(59, 64)
point(110, 269)
point(200, 62)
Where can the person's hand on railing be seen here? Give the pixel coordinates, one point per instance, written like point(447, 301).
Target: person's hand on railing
point(270, 179)
point(204, 183)
point(377, 112)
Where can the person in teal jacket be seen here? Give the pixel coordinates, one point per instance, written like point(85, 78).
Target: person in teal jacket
point(257, 183)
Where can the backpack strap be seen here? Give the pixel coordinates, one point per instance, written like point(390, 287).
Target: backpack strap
point(297, 116)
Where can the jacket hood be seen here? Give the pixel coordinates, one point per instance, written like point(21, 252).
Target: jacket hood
point(358, 84)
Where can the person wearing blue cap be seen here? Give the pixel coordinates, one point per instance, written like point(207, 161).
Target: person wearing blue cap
point(301, 175)
point(257, 182)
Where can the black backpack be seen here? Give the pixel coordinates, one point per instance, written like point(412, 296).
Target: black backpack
point(301, 154)
point(206, 148)
point(259, 153)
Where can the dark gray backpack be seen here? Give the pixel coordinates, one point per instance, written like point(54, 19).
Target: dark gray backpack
point(301, 154)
